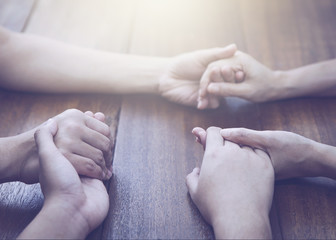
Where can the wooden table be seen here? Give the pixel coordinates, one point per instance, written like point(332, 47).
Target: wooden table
point(154, 148)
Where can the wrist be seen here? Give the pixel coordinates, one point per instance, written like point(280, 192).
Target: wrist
point(57, 220)
point(285, 87)
point(19, 158)
point(324, 159)
point(143, 74)
point(249, 224)
point(62, 215)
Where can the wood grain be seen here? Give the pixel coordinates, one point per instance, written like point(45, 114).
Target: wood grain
point(15, 13)
point(154, 148)
point(158, 132)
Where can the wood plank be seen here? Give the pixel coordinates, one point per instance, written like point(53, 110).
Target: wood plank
point(99, 25)
point(15, 13)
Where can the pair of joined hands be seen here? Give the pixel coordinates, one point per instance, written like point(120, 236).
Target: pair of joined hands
point(74, 154)
point(234, 187)
point(202, 78)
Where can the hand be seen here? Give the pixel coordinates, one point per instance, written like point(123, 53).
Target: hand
point(234, 187)
point(83, 139)
point(181, 82)
point(240, 76)
point(73, 206)
point(292, 155)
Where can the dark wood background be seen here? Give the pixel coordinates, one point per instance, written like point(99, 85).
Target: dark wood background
point(154, 148)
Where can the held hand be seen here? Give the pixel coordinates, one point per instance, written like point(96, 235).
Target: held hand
point(240, 76)
point(75, 205)
point(84, 139)
point(292, 155)
point(234, 187)
point(181, 82)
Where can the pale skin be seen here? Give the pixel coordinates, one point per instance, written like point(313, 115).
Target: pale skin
point(36, 64)
point(233, 189)
point(83, 138)
point(73, 206)
point(292, 155)
point(243, 76)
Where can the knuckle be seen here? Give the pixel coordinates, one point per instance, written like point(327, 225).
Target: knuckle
point(63, 143)
point(37, 133)
point(100, 157)
point(90, 166)
point(106, 130)
point(106, 145)
point(73, 111)
point(212, 128)
point(72, 126)
point(241, 132)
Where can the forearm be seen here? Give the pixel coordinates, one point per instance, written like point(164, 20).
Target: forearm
point(325, 158)
point(317, 79)
point(18, 152)
point(256, 226)
point(56, 221)
point(32, 63)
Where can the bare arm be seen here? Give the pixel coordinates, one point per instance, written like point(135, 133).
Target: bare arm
point(33, 63)
point(317, 79)
point(292, 155)
point(243, 76)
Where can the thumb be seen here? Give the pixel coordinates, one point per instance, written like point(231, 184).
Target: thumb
point(45, 143)
point(225, 89)
point(214, 54)
point(192, 181)
point(245, 136)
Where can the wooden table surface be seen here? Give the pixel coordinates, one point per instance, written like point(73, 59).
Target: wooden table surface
point(154, 148)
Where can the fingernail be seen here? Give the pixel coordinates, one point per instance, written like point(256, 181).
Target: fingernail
point(199, 104)
point(224, 133)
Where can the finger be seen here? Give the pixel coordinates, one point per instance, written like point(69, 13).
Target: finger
point(96, 140)
point(244, 136)
point(89, 113)
point(202, 93)
point(99, 141)
point(228, 89)
point(50, 158)
point(202, 102)
point(240, 76)
point(208, 56)
point(192, 181)
point(100, 116)
point(87, 167)
point(98, 126)
point(44, 141)
point(214, 54)
point(213, 138)
point(87, 151)
point(214, 102)
point(200, 134)
point(212, 74)
point(228, 75)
